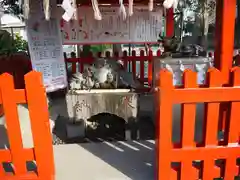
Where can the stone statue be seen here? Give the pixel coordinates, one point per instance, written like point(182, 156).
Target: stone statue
point(104, 74)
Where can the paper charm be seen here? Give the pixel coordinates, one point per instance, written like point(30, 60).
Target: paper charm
point(69, 10)
point(122, 10)
point(130, 7)
point(175, 4)
point(97, 13)
point(46, 8)
point(50, 8)
point(26, 9)
point(181, 68)
point(170, 4)
point(75, 15)
point(150, 5)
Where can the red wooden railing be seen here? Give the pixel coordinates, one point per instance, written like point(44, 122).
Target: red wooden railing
point(129, 61)
point(197, 160)
point(42, 152)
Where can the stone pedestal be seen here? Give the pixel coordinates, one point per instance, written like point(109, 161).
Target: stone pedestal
point(82, 105)
point(197, 64)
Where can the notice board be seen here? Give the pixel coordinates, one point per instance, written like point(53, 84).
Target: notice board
point(143, 26)
point(45, 46)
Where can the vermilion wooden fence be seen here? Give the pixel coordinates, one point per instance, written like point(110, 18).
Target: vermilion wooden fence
point(129, 61)
point(198, 160)
point(42, 152)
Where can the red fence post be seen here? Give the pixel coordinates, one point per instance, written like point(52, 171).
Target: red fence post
point(125, 59)
point(225, 23)
point(198, 162)
point(163, 142)
point(170, 22)
point(74, 67)
point(38, 112)
point(80, 65)
point(142, 78)
point(150, 68)
point(13, 124)
point(134, 64)
point(42, 152)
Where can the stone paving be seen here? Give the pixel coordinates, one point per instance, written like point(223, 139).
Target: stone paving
point(132, 160)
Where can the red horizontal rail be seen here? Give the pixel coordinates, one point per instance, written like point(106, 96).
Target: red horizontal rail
point(210, 149)
point(130, 60)
point(17, 155)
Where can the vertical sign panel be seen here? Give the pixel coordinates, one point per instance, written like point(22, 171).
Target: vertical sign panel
point(46, 52)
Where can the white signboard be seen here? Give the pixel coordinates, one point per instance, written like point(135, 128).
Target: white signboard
point(45, 46)
point(143, 26)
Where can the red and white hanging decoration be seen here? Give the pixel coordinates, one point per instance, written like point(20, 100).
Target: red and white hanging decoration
point(97, 13)
point(150, 5)
point(46, 9)
point(130, 7)
point(122, 10)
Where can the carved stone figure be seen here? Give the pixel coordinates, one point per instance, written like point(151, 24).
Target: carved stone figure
point(104, 74)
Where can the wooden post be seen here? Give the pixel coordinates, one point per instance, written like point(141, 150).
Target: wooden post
point(189, 151)
point(13, 125)
point(150, 68)
point(170, 22)
point(40, 126)
point(225, 23)
point(223, 56)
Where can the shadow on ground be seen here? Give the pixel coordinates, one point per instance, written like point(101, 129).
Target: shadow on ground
point(4, 144)
point(3, 137)
point(135, 159)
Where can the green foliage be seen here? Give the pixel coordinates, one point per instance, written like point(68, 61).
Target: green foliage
point(100, 48)
point(9, 45)
point(6, 42)
point(19, 43)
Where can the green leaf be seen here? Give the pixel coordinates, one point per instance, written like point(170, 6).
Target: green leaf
point(9, 44)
